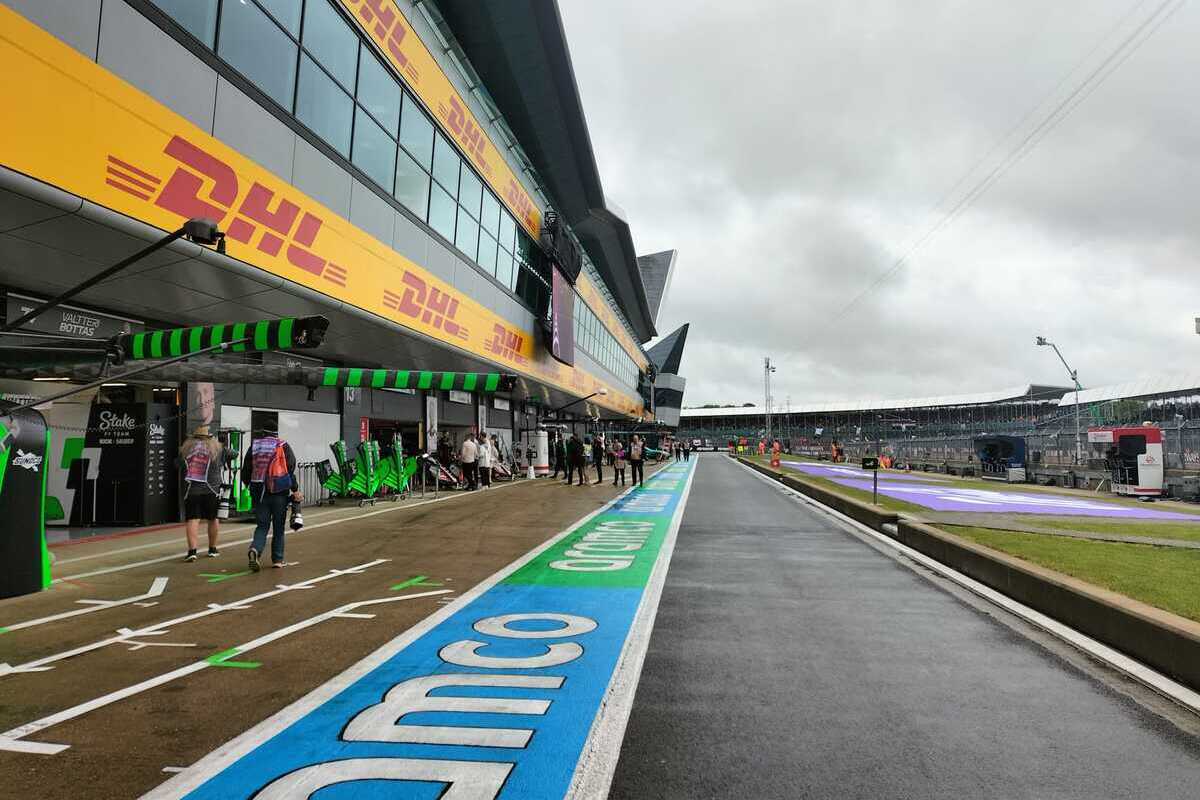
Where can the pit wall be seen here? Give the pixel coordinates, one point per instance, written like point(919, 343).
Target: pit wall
point(1164, 641)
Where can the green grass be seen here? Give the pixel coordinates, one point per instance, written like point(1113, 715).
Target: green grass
point(1186, 531)
point(1163, 577)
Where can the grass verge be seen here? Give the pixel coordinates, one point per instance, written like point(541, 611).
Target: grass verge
point(1160, 576)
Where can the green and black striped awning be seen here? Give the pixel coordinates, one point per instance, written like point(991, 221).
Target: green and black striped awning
point(486, 382)
point(289, 333)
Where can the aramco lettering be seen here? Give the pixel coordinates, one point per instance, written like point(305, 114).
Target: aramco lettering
point(610, 546)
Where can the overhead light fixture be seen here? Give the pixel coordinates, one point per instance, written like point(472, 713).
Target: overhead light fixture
point(46, 380)
point(109, 385)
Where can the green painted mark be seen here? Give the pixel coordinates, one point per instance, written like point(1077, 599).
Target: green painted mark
point(354, 378)
point(425, 380)
point(330, 378)
point(418, 580)
point(195, 339)
point(447, 381)
point(401, 379)
point(262, 335)
point(72, 449)
point(3, 631)
point(156, 350)
point(217, 577)
point(378, 378)
point(221, 659)
point(239, 332)
point(216, 335)
point(493, 380)
point(175, 343)
point(46, 563)
point(139, 345)
point(285, 331)
point(469, 381)
point(53, 508)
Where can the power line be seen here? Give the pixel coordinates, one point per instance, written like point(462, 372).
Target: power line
point(1127, 47)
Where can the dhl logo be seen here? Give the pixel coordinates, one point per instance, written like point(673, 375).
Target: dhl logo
point(519, 201)
point(469, 135)
point(429, 305)
point(280, 220)
point(507, 344)
point(387, 27)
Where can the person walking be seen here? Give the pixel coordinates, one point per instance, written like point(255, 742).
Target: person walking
point(576, 459)
point(687, 450)
point(618, 463)
point(202, 456)
point(598, 457)
point(269, 469)
point(487, 459)
point(636, 454)
point(560, 456)
point(468, 456)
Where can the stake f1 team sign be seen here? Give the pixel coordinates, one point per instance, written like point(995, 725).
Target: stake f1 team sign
point(499, 695)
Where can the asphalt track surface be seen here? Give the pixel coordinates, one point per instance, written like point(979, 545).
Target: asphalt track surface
point(790, 659)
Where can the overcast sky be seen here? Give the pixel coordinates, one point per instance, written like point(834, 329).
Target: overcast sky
point(791, 150)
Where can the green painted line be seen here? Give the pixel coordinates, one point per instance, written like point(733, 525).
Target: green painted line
point(221, 659)
point(418, 580)
point(239, 332)
point(175, 342)
point(447, 381)
point(469, 381)
point(222, 576)
point(156, 344)
point(493, 380)
point(401, 379)
point(285, 331)
point(330, 378)
point(378, 378)
point(425, 380)
point(3, 631)
point(139, 345)
point(354, 378)
point(262, 335)
point(195, 339)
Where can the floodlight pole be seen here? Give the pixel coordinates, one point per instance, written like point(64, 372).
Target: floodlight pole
point(1042, 341)
point(767, 370)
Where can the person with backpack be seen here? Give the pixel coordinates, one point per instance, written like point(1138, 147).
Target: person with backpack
point(269, 469)
point(636, 455)
point(201, 455)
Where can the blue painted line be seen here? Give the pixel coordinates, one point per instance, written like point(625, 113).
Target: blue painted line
point(419, 718)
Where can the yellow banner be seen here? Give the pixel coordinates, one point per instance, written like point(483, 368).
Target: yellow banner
point(389, 29)
point(74, 125)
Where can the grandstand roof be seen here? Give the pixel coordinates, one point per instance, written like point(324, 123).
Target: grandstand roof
point(1145, 387)
point(1015, 393)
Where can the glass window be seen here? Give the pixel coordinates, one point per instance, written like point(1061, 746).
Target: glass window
point(412, 185)
point(508, 231)
point(442, 211)
point(329, 40)
point(285, 12)
point(504, 269)
point(374, 151)
point(257, 48)
point(378, 91)
point(322, 106)
point(197, 17)
point(416, 132)
point(466, 238)
point(445, 164)
point(487, 253)
point(469, 191)
point(489, 215)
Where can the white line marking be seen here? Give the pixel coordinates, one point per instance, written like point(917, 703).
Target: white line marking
point(156, 589)
point(124, 635)
point(598, 759)
point(173, 557)
point(1132, 668)
point(218, 759)
point(9, 739)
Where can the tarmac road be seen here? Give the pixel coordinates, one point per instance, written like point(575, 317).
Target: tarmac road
point(791, 660)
